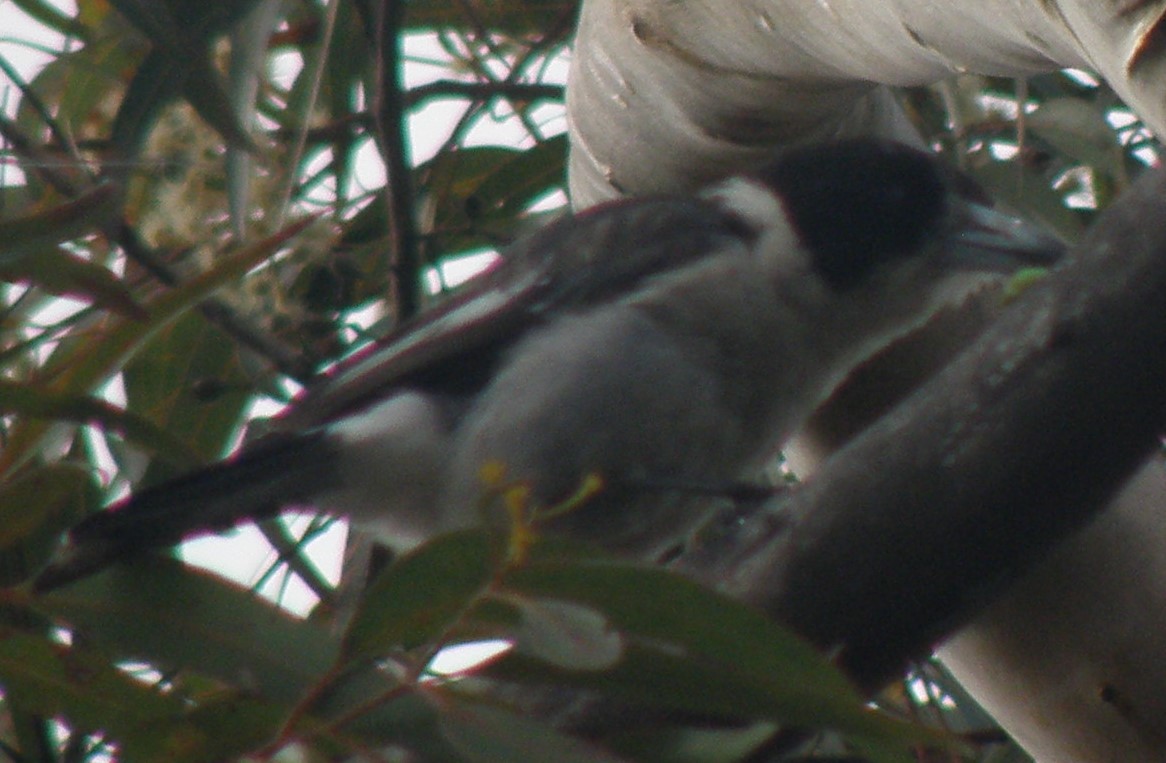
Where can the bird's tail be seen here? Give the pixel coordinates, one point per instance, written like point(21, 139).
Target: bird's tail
point(254, 485)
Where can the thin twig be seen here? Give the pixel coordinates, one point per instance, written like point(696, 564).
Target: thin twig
point(301, 136)
point(388, 101)
point(481, 91)
point(33, 99)
point(290, 551)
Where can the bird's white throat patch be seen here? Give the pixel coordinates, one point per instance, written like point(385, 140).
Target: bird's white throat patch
point(761, 209)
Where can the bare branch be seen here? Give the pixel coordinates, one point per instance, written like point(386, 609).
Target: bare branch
point(383, 20)
point(482, 91)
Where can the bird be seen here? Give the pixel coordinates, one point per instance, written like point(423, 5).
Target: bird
point(667, 345)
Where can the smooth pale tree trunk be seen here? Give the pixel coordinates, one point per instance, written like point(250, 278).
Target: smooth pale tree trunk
point(1073, 654)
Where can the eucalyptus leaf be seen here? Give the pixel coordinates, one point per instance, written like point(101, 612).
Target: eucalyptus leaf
point(34, 233)
point(566, 634)
point(488, 734)
point(422, 595)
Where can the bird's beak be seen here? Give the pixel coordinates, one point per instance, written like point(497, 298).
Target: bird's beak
point(988, 239)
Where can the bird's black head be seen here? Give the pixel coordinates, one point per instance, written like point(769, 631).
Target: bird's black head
point(859, 204)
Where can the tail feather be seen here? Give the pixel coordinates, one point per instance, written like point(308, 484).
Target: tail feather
point(254, 485)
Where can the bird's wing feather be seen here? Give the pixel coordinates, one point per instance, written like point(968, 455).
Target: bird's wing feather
point(571, 264)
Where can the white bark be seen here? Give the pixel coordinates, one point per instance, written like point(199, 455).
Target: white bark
point(1074, 656)
point(665, 95)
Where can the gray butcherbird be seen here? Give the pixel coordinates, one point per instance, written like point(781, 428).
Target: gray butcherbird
point(666, 344)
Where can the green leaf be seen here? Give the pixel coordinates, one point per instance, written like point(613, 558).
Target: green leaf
point(506, 16)
point(82, 83)
point(34, 508)
point(477, 192)
point(1028, 192)
point(160, 79)
point(422, 595)
point(162, 383)
point(58, 272)
point(52, 490)
point(222, 727)
point(487, 734)
point(695, 744)
point(566, 634)
point(523, 177)
point(83, 366)
point(168, 23)
point(180, 63)
point(696, 649)
point(34, 233)
point(35, 402)
point(156, 609)
point(659, 605)
point(149, 725)
point(81, 685)
point(51, 16)
point(205, 90)
point(248, 62)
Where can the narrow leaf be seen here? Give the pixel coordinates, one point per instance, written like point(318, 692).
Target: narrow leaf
point(35, 507)
point(487, 734)
point(35, 402)
point(156, 609)
point(711, 649)
point(566, 634)
point(81, 685)
point(64, 274)
point(42, 230)
point(90, 364)
point(53, 490)
point(422, 595)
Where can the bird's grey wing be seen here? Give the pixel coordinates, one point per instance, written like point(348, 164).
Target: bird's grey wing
point(574, 262)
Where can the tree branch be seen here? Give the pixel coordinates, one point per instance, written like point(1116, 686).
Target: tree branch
point(483, 91)
point(904, 534)
point(383, 21)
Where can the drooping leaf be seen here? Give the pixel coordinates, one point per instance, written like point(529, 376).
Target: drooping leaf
point(162, 77)
point(59, 272)
point(1029, 193)
point(512, 16)
point(52, 17)
point(34, 508)
point(82, 366)
point(81, 83)
point(422, 595)
point(170, 615)
point(477, 192)
point(156, 609)
point(485, 733)
point(248, 62)
point(80, 685)
point(34, 233)
point(1079, 131)
point(566, 634)
point(36, 402)
point(699, 651)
